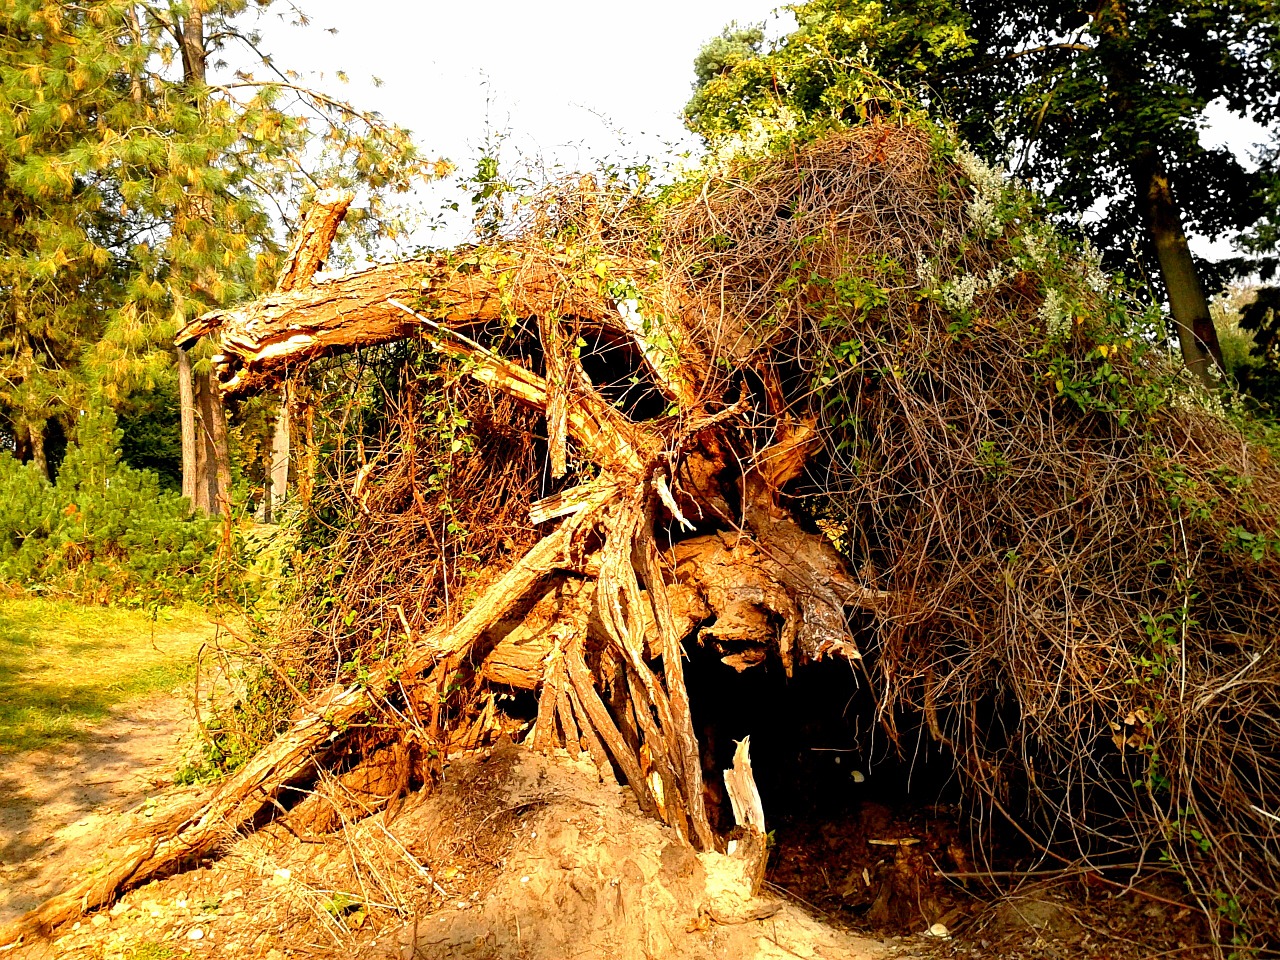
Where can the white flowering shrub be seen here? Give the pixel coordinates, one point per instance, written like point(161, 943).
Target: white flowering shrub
point(1095, 278)
point(1039, 241)
point(958, 294)
point(756, 140)
point(1057, 313)
point(988, 192)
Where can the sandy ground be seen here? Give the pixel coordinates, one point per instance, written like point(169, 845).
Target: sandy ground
point(56, 804)
point(514, 857)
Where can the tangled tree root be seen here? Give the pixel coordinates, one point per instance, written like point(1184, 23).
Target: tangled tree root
point(842, 416)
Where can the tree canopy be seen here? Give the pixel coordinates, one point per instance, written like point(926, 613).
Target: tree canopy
point(1100, 106)
point(139, 188)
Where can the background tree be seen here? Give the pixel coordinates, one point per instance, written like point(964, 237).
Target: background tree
point(58, 229)
point(1099, 105)
point(146, 187)
point(833, 66)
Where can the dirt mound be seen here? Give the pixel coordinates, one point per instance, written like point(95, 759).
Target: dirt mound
point(592, 877)
point(516, 855)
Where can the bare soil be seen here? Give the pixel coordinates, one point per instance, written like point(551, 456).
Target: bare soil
point(57, 804)
point(515, 856)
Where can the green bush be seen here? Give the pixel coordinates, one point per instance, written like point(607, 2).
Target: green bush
point(103, 530)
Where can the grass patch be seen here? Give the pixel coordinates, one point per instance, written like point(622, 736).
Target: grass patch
point(63, 666)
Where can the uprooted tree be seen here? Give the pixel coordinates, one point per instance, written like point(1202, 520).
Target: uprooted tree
point(849, 400)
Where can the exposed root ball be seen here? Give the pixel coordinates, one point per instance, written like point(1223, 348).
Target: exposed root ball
point(1054, 557)
point(852, 399)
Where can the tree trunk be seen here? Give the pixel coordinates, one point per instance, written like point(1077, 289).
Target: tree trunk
point(206, 479)
point(265, 514)
point(217, 473)
point(309, 249)
point(220, 451)
point(1188, 304)
point(278, 463)
point(363, 308)
point(135, 35)
point(191, 36)
point(213, 473)
point(21, 444)
point(302, 415)
point(213, 460)
point(187, 414)
point(38, 456)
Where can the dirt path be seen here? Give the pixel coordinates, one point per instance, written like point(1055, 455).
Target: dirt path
point(55, 804)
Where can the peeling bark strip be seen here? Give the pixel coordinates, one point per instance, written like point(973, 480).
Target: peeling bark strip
point(261, 340)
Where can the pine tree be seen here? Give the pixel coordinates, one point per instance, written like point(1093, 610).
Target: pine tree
point(59, 276)
point(135, 192)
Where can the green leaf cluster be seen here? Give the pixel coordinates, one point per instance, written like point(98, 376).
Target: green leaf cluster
point(847, 60)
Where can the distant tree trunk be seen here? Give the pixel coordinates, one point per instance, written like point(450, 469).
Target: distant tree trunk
point(21, 443)
point(187, 414)
point(266, 513)
point(304, 414)
point(278, 462)
point(38, 456)
point(213, 471)
point(212, 463)
point(219, 449)
point(191, 35)
point(135, 34)
point(205, 483)
point(1188, 304)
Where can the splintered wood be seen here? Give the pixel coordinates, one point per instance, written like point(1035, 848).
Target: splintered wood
point(748, 580)
point(744, 796)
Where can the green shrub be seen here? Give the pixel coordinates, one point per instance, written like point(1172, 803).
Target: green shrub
point(103, 530)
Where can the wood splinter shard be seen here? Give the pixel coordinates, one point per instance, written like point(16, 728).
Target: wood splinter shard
point(744, 795)
point(751, 846)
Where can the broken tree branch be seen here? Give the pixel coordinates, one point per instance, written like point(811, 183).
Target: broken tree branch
point(310, 246)
point(260, 340)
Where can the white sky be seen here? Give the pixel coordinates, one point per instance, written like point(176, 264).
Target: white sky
point(569, 82)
